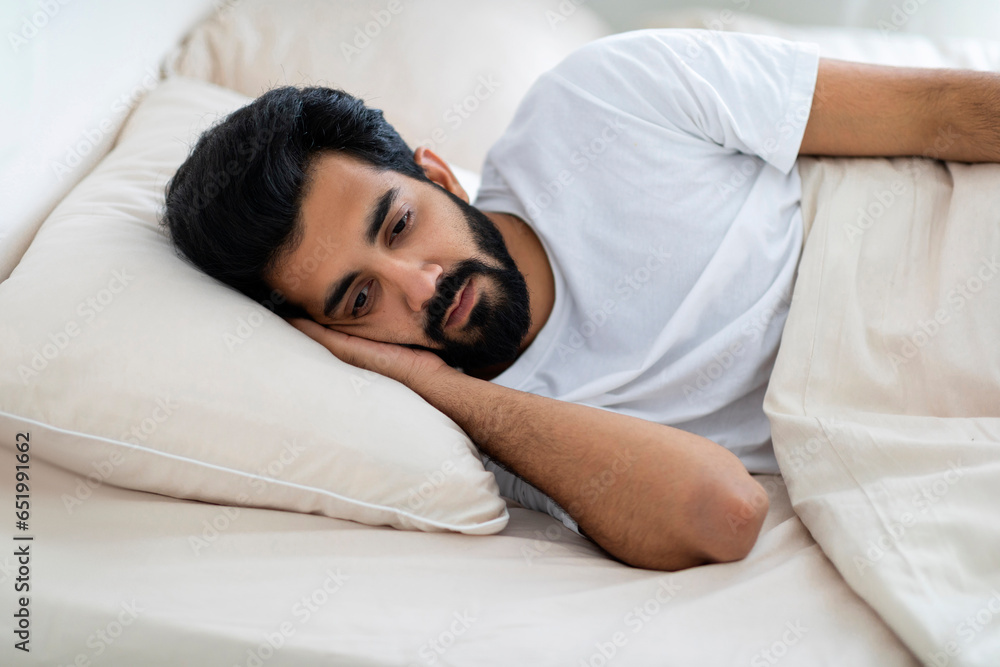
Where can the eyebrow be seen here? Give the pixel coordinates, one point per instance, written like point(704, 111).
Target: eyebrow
point(376, 218)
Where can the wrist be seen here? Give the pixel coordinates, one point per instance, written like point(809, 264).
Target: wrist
point(429, 383)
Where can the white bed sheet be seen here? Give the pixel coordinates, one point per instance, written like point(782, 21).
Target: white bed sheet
point(190, 583)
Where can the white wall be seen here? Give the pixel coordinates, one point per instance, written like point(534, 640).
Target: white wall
point(969, 18)
point(70, 71)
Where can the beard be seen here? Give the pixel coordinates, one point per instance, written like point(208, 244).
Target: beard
point(501, 317)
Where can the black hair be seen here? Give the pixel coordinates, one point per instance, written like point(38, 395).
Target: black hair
point(233, 206)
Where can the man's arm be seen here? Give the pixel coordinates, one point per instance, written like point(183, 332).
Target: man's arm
point(652, 496)
point(877, 110)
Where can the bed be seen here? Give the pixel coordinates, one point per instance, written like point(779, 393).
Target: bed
point(133, 567)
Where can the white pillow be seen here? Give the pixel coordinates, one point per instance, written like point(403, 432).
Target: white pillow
point(448, 74)
point(129, 366)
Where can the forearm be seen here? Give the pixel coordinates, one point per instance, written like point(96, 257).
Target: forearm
point(860, 109)
point(650, 495)
point(967, 125)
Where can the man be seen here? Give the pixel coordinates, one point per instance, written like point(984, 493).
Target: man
point(604, 320)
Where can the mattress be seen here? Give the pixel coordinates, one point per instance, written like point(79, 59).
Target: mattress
point(121, 577)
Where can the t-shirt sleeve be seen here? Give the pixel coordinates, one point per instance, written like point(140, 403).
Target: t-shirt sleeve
point(516, 488)
point(748, 93)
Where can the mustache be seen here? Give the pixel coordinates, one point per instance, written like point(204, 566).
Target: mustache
point(447, 292)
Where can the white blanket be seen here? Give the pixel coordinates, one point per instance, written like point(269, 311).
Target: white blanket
point(885, 396)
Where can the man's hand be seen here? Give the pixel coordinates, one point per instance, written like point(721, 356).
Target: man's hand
point(400, 363)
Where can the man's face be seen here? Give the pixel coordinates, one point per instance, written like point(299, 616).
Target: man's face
point(388, 258)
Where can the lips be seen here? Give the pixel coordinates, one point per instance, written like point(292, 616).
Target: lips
point(463, 304)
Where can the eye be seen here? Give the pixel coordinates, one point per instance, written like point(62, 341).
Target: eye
point(362, 299)
point(400, 226)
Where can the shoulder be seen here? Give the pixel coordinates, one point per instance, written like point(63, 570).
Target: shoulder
point(647, 73)
point(680, 42)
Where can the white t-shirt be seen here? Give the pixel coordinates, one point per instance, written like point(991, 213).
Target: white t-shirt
point(658, 169)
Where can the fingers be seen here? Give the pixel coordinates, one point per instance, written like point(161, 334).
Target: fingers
point(353, 350)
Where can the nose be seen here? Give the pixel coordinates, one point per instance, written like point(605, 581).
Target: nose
point(420, 284)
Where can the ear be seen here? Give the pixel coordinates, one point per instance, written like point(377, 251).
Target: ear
point(439, 172)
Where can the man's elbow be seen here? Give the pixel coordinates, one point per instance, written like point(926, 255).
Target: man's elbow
point(736, 514)
point(721, 525)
